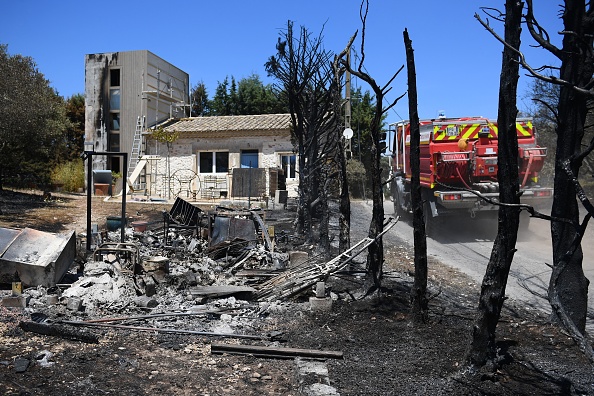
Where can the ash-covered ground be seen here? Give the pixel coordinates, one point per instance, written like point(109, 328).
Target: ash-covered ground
point(150, 327)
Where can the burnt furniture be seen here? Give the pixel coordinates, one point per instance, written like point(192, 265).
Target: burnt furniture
point(183, 215)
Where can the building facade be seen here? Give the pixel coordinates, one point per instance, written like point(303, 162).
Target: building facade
point(212, 156)
point(126, 93)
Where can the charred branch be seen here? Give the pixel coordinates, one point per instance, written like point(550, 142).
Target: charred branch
point(586, 91)
point(56, 330)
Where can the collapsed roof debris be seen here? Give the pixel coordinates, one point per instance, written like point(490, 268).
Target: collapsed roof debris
point(207, 265)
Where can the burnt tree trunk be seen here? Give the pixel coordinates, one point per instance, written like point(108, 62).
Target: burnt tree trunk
point(303, 192)
point(311, 181)
point(482, 347)
point(324, 217)
point(568, 288)
point(375, 258)
point(418, 296)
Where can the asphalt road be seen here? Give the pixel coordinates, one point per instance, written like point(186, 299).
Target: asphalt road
point(466, 244)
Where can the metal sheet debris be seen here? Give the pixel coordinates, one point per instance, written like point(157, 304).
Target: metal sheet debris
point(38, 258)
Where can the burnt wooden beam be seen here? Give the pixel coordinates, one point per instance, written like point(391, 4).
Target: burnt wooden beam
point(59, 331)
point(273, 352)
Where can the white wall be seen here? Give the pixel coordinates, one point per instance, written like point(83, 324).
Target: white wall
point(183, 155)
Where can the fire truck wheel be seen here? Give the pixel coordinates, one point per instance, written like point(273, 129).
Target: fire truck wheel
point(398, 211)
point(431, 223)
point(429, 220)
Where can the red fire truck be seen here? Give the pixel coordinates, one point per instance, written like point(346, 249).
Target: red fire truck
point(458, 155)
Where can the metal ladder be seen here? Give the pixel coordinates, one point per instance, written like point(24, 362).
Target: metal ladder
point(136, 146)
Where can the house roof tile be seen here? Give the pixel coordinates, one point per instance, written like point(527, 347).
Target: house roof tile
point(261, 122)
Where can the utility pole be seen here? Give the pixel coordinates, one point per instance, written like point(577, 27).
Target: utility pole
point(348, 132)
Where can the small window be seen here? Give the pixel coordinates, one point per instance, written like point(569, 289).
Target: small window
point(114, 99)
point(115, 164)
point(213, 162)
point(114, 142)
point(114, 78)
point(222, 162)
point(114, 124)
point(249, 158)
point(288, 163)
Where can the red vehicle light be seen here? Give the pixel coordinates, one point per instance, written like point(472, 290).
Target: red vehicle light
point(543, 193)
point(451, 197)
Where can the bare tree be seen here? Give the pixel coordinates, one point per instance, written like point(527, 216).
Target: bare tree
point(375, 257)
point(420, 303)
point(483, 347)
point(568, 286)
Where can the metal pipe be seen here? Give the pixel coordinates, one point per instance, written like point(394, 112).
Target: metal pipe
point(123, 229)
point(89, 158)
point(173, 331)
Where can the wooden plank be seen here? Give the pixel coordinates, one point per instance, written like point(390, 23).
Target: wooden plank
point(244, 292)
point(273, 352)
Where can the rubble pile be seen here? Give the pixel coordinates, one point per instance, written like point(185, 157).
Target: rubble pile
point(156, 280)
point(225, 276)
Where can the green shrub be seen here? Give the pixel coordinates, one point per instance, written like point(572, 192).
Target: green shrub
point(70, 175)
point(356, 176)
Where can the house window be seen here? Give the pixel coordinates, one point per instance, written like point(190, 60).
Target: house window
point(114, 77)
point(114, 132)
point(249, 158)
point(114, 123)
point(114, 141)
point(213, 162)
point(114, 99)
point(288, 163)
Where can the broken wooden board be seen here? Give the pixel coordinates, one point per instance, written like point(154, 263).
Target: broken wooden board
point(273, 352)
point(241, 292)
point(257, 273)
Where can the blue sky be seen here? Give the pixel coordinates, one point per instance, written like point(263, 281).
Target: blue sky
point(458, 62)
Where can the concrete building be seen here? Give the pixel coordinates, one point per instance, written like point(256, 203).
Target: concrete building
point(126, 93)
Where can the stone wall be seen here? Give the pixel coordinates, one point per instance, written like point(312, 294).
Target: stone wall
point(183, 156)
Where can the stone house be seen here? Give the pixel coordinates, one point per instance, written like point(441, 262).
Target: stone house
point(226, 156)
